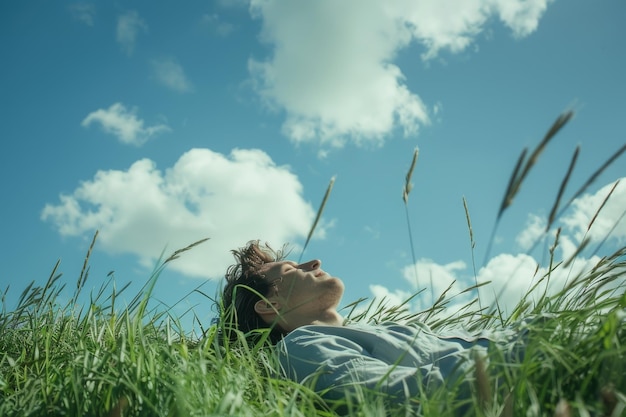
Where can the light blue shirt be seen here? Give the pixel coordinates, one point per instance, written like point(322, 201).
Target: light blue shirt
point(400, 361)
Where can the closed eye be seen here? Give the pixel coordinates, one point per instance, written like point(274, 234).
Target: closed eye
point(292, 266)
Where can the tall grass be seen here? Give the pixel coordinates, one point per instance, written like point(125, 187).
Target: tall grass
point(102, 359)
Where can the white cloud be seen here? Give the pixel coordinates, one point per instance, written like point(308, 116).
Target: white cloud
point(610, 219)
point(230, 199)
point(522, 16)
point(508, 277)
point(124, 124)
point(589, 216)
point(389, 298)
point(535, 229)
point(331, 72)
point(331, 68)
point(505, 280)
point(128, 27)
point(453, 25)
point(169, 73)
point(436, 278)
point(83, 12)
point(511, 277)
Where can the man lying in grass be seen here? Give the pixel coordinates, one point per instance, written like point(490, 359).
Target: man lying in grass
point(298, 304)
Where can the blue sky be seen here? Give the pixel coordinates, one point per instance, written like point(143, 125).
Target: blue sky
point(159, 125)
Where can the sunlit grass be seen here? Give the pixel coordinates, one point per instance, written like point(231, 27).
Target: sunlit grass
point(103, 361)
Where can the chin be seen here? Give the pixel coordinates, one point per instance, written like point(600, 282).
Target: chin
point(339, 284)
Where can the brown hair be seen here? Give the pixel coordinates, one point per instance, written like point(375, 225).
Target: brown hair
point(244, 287)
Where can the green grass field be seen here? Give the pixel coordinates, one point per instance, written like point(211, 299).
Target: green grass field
point(98, 359)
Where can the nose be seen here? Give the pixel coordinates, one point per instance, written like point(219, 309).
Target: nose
point(311, 265)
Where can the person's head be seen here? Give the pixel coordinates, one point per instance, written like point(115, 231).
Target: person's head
point(265, 291)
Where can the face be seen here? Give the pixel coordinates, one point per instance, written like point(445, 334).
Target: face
point(301, 291)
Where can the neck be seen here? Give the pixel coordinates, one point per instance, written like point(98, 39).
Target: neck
point(326, 318)
point(331, 318)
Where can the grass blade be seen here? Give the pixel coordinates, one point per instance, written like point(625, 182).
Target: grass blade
point(596, 174)
point(317, 216)
point(408, 186)
point(407, 183)
point(472, 246)
point(562, 189)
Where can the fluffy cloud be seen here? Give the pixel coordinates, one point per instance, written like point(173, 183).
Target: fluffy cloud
point(437, 278)
point(389, 298)
point(535, 229)
point(589, 217)
point(229, 199)
point(513, 275)
point(503, 282)
point(331, 68)
point(129, 25)
point(507, 277)
point(608, 219)
point(169, 73)
point(124, 124)
point(522, 16)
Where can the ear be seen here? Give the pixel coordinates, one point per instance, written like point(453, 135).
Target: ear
point(266, 308)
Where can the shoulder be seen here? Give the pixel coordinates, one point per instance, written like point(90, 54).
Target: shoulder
point(315, 337)
point(312, 332)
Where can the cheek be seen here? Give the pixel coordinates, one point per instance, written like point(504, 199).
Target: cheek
point(301, 289)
